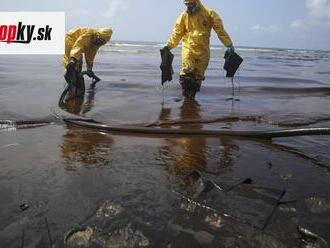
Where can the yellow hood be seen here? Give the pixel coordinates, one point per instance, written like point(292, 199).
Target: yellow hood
point(105, 33)
point(199, 4)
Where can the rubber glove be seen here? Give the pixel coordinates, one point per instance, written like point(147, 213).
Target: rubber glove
point(90, 73)
point(230, 50)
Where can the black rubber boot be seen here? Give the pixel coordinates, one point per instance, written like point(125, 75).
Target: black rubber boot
point(199, 85)
point(76, 87)
point(193, 88)
point(80, 86)
point(190, 86)
point(184, 81)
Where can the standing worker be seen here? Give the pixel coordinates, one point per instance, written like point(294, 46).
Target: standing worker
point(81, 41)
point(194, 26)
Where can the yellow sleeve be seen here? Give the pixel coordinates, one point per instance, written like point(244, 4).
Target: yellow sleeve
point(79, 47)
point(220, 30)
point(89, 57)
point(177, 33)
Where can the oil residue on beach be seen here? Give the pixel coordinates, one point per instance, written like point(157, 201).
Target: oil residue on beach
point(104, 190)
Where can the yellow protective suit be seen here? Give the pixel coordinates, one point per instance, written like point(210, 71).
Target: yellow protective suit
point(79, 41)
point(195, 29)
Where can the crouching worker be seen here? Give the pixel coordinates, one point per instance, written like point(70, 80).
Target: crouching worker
point(194, 26)
point(81, 41)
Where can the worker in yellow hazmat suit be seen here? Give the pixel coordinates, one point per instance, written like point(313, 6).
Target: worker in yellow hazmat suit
point(79, 42)
point(194, 26)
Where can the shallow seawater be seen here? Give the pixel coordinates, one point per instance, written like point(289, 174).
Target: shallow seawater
point(121, 190)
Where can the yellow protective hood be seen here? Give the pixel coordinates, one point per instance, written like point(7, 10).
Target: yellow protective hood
point(199, 3)
point(105, 33)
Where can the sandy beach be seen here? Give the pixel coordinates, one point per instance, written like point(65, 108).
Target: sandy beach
point(163, 191)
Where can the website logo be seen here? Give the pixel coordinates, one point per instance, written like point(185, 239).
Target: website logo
point(32, 32)
point(23, 33)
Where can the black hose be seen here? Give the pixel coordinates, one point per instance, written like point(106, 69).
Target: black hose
point(143, 130)
point(198, 132)
point(25, 124)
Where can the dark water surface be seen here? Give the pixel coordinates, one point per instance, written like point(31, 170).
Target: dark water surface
point(127, 191)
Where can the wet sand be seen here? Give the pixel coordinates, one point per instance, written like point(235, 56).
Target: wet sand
point(145, 191)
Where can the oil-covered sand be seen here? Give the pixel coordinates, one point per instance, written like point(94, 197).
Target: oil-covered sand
point(117, 190)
